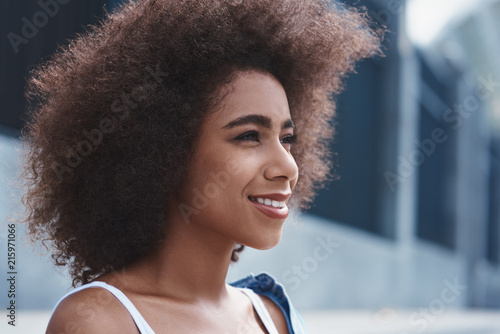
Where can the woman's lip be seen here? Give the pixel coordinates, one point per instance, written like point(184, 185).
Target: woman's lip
point(275, 213)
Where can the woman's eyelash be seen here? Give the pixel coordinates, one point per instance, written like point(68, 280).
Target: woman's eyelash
point(251, 135)
point(290, 139)
point(254, 136)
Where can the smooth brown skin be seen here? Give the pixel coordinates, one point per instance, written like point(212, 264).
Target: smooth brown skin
point(181, 287)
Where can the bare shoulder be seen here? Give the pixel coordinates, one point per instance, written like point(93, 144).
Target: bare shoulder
point(276, 314)
point(91, 310)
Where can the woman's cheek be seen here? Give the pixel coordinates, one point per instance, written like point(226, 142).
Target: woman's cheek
point(238, 165)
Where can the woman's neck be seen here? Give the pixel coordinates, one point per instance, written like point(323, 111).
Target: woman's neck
point(191, 265)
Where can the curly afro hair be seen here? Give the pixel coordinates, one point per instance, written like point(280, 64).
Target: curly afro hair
point(114, 115)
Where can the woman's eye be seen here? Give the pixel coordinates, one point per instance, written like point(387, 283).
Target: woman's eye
point(251, 136)
point(255, 137)
point(290, 139)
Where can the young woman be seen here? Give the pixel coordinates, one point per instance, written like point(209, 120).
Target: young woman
point(169, 137)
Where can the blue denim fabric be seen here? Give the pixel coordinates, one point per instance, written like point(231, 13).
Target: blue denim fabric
point(264, 284)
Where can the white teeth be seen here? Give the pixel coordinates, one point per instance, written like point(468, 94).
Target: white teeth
point(269, 202)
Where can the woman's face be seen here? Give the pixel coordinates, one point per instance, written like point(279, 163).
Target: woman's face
point(242, 172)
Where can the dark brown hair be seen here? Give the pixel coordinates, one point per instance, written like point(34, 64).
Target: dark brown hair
point(115, 114)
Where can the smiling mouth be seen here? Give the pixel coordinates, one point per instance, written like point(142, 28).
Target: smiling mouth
point(271, 208)
point(268, 202)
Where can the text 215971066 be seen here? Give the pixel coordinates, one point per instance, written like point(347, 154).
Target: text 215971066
point(11, 274)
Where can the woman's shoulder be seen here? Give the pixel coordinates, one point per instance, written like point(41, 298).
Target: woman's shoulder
point(266, 285)
point(90, 309)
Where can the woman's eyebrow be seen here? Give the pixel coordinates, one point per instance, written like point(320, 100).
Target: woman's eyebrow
point(261, 120)
point(288, 124)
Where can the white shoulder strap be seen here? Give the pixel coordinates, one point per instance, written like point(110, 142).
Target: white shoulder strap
point(141, 323)
point(261, 310)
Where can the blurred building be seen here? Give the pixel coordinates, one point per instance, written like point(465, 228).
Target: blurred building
point(413, 220)
point(414, 212)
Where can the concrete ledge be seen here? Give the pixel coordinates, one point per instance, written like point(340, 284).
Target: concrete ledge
point(389, 321)
point(386, 321)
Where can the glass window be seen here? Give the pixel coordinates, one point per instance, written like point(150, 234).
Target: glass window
point(435, 155)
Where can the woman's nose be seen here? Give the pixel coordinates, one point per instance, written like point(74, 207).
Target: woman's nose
point(281, 164)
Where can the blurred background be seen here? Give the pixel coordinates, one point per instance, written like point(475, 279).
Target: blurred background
point(406, 240)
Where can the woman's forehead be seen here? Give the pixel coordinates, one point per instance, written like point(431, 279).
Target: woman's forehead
point(254, 94)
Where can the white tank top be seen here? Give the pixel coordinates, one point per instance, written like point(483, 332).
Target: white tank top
point(144, 327)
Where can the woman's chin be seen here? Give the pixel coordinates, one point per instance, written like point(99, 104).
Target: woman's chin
point(264, 244)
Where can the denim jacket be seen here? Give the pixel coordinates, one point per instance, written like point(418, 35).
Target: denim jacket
point(264, 284)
